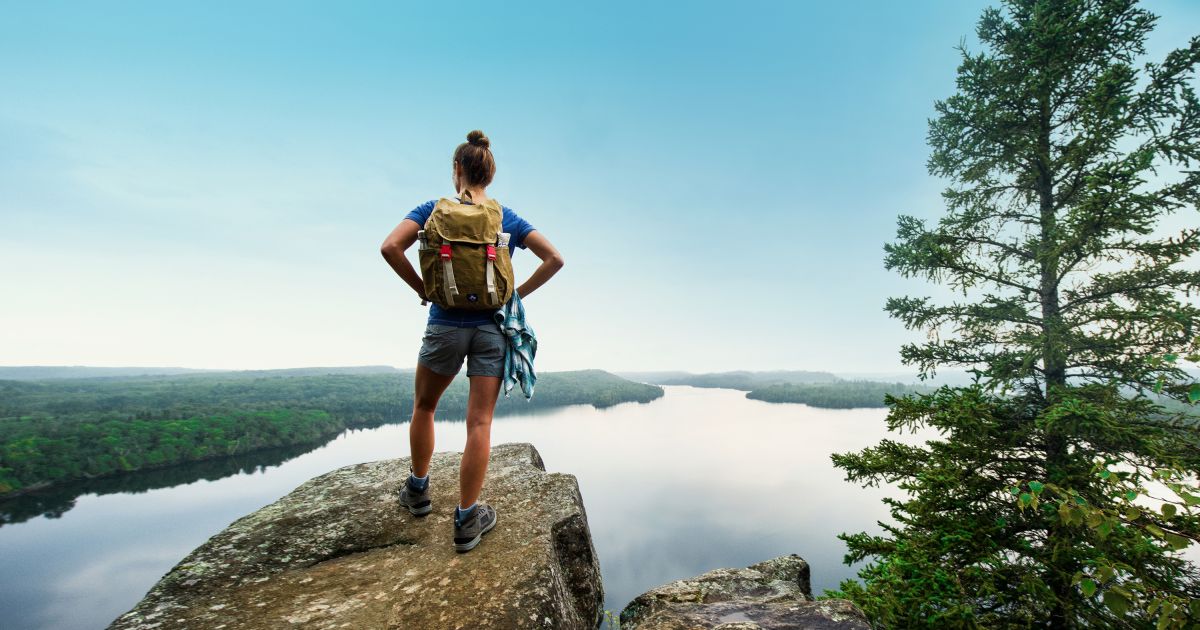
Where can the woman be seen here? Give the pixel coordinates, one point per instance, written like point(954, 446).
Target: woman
point(452, 334)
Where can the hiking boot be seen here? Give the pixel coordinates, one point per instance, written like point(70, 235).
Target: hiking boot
point(480, 522)
point(417, 501)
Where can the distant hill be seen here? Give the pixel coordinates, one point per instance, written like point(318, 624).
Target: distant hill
point(46, 372)
point(317, 371)
point(739, 379)
point(652, 377)
point(951, 377)
point(50, 372)
point(943, 377)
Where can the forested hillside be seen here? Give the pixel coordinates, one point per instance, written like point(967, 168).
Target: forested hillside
point(65, 429)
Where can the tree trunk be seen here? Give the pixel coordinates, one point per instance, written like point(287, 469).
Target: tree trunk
point(1058, 541)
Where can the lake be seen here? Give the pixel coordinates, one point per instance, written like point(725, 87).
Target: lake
point(693, 481)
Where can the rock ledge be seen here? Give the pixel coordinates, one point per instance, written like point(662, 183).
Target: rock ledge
point(339, 552)
point(771, 595)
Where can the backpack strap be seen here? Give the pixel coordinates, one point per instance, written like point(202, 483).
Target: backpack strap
point(448, 274)
point(491, 275)
point(494, 295)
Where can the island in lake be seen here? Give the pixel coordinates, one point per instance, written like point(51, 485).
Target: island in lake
point(817, 389)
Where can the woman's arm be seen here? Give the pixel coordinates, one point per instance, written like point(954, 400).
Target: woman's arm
point(552, 261)
point(393, 249)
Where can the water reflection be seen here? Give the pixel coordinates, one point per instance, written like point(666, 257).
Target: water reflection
point(55, 501)
point(698, 479)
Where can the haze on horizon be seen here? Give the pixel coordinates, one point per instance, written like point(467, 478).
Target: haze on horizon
point(207, 187)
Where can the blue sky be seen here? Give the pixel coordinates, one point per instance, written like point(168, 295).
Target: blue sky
point(207, 185)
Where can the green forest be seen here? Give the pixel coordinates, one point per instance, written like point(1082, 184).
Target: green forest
point(67, 429)
point(839, 395)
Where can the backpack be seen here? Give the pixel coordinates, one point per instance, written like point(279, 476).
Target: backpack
point(464, 256)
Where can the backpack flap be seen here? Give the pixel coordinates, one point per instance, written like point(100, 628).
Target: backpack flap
point(464, 222)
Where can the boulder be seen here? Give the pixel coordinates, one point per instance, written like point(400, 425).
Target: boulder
point(339, 552)
point(770, 595)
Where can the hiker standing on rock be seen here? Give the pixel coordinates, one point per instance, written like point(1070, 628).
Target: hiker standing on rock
point(466, 272)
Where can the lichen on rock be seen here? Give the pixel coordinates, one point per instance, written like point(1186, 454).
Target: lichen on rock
point(339, 552)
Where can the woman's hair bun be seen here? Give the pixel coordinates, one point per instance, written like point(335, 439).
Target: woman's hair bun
point(478, 139)
point(476, 159)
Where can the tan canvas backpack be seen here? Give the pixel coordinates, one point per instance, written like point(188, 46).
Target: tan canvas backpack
point(464, 255)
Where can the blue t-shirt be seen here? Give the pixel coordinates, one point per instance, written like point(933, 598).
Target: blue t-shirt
point(517, 229)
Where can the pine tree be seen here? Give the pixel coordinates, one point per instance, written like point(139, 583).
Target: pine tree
point(1063, 158)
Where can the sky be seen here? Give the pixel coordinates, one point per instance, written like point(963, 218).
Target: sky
point(207, 184)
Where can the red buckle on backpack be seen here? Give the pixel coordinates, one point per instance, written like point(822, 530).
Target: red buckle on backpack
point(445, 252)
point(491, 252)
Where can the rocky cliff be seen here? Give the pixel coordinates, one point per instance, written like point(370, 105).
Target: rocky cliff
point(338, 552)
point(771, 595)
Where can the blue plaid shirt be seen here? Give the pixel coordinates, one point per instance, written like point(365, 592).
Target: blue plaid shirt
point(520, 349)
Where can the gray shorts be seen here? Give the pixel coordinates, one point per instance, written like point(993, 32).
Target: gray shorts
point(444, 347)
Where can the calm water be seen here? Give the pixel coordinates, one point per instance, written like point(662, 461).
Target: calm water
point(699, 479)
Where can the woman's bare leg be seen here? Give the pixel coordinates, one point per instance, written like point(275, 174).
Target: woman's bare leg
point(481, 403)
point(426, 392)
